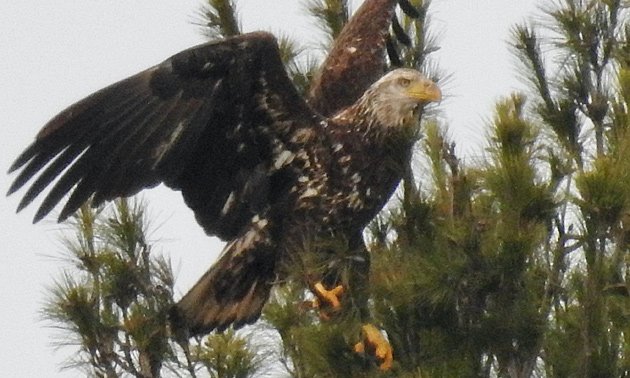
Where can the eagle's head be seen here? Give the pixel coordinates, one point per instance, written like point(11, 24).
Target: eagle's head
point(396, 98)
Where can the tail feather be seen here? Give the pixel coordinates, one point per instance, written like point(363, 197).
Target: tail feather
point(234, 290)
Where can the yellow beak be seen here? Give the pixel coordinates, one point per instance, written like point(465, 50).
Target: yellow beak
point(426, 91)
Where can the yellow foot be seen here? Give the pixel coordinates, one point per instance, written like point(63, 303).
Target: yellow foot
point(326, 301)
point(374, 344)
point(327, 298)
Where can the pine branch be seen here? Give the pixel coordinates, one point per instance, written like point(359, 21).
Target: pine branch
point(219, 19)
point(331, 15)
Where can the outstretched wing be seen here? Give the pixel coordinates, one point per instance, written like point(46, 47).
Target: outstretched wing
point(205, 121)
point(357, 58)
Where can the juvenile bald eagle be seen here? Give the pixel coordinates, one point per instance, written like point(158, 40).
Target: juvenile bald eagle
point(223, 124)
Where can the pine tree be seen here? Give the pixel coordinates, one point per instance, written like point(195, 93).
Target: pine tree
point(114, 298)
point(515, 265)
point(583, 109)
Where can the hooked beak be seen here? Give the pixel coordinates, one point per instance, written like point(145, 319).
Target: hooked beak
point(425, 91)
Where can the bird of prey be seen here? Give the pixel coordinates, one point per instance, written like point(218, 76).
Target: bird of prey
point(357, 59)
point(259, 167)
point(222, 123)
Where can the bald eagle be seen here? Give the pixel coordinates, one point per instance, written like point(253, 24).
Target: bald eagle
point(223, 124)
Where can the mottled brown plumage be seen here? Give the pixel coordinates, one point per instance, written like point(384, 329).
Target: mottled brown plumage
point(223, 124)
point(357, 57)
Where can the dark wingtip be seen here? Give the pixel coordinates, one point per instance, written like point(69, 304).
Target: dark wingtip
point(69, 209)
point(177, 325)
point(400, 33)
point(392, 53)
point(17, 163)
point(222, 328)
point(181, 328)
point(45, 208)
point(19, 182)
point(24, 157)
point(13, 188)
point(62, 217)
point(25, 201)
point(21, 206)
point(13, 167)
point(409, 9)
point(176, 319)
point(245, 321)
point(39, 215)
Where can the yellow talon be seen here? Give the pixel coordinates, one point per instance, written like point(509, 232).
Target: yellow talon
point(326, 301)
point(327, 298)
point(375, 344)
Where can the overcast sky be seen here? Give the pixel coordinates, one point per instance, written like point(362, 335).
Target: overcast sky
point(56, 52)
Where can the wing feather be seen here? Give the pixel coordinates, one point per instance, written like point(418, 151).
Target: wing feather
point(45, 149)
point(47, 176)
point(92, 161)
point(180, 122)
point(118, 161)
point(134, 150)
point(357, 57)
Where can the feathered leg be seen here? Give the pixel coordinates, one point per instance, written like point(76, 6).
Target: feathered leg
point(355, 293)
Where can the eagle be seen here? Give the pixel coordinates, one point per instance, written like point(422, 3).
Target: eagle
point(260, 168)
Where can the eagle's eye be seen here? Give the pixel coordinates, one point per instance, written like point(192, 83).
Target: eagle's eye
point(404, 82)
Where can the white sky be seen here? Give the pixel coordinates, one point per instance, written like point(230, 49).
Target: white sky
point(56, 52)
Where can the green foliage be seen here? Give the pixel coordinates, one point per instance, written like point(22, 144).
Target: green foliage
point(118, 295)
point(218, 19)
point(227, 356)
point(115, 300)
point(300, 71)
point(456, 298)
point(587, 37)
point(415, 34)
point(331, 16)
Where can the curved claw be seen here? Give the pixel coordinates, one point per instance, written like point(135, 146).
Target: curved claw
point(373, 343)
